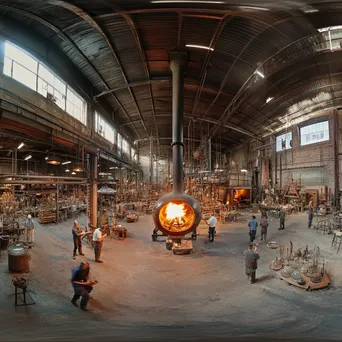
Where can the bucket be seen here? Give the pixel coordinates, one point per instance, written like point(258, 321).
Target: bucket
point(4, 242)
point(18, 257)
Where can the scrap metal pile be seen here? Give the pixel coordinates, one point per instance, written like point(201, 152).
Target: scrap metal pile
point(303, 268)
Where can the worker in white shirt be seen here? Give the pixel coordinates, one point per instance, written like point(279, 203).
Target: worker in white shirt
point(98, 242)
point(212, 225)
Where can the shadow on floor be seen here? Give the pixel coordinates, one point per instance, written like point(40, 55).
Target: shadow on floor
point(266, 277)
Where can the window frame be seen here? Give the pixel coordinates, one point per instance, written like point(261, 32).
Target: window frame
point(106, 127)
point(313, 123)
point(83, 111)
point(284, 135)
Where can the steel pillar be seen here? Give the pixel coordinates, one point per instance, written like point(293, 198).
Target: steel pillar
point(57, 208)
point(2, 53)
point(15, 161)
point(151, 160)
point(93, 189)
point(336, 160)
point(209, 154)
point(178, 64)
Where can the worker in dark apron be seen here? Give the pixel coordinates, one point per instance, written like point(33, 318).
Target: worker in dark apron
point(77, 237)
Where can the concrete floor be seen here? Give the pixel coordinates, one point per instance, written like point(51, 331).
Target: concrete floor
point(147, 293)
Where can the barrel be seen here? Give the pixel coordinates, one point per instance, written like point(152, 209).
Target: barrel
point(4, 242)
point(18, 257)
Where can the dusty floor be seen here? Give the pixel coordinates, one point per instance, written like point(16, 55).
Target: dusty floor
point(146, 292)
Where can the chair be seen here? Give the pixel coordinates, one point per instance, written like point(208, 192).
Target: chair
point(337, 240)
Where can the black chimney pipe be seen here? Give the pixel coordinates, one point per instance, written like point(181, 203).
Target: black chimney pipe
point(178, 63)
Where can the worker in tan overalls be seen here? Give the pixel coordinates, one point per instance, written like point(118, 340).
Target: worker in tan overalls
point(29, 230)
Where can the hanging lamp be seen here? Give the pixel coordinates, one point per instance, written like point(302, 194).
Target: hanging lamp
point(53, 160)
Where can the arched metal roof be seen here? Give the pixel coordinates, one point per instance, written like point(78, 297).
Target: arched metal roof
point(122, 48)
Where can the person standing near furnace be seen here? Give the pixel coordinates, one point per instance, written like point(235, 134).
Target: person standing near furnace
point(310, 217)
point(282, 216)
point(77, 238)
point(252, 225)
point(251, 262)
point(212, 226)
point(98, 242)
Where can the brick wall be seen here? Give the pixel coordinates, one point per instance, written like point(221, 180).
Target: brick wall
point(312, 164)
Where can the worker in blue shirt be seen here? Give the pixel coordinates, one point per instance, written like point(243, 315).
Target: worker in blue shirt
point(82, 284)
point(252, 225)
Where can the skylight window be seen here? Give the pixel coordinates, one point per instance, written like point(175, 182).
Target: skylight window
point(330, 28)
point(29, 71)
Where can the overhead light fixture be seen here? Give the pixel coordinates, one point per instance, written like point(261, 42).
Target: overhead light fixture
point(122, 168)
point(78, 168)
point(28, 157)
point(73, 173)
point(46, 158)
point(244, 170)
point(269, 99)
point(311, 11)
point(20, 146)
point(67, 162)
point(112, 168)
point(254, 8)
point(200, 47)
point(186, 2)
point(67, 170)
point(53, 160)
point(260, 74)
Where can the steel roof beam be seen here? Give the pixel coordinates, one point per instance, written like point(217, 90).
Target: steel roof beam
point(92, 22)
point(230, 126)
point(66, 38)
point(223, 83)
point(203, 73)
point(135, 33)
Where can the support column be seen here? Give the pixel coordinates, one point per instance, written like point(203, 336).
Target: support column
point(91, 119)
point(93, 189)
point(16, 161)
point(209, 154)
point(336, 161)
point(151, 160)
point(57, 209)
point(157, 172)
point(2, 54)
point(178, 64)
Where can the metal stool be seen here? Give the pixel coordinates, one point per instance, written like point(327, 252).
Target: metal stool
point(324, 226)
point(21, 283)
point(337, 240)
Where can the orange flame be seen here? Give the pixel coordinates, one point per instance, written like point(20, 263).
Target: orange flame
point(241, 193)
point(175, 210)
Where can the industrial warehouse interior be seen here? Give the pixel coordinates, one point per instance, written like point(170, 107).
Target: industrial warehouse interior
point(170, 170)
